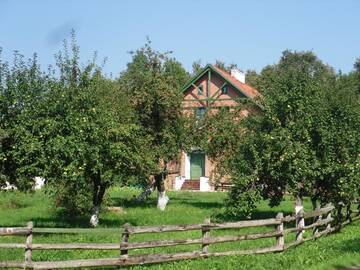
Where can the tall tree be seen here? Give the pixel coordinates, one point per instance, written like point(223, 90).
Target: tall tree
point(22, 89)
point(291, 144)
point(153, 82)
point(82, 136)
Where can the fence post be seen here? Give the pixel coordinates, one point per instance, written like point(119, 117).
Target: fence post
point(300, 222)
point(280, 230)
point(28, 246)
point(124, 239)
point(328, 216)
point(316, 219)
point(348, 212)
point(339, 215)
point(205, 234)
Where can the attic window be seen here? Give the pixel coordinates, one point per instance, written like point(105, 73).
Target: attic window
point(200, 90)
point(224, 89)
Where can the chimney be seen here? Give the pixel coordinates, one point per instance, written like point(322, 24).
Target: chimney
point(238, 74)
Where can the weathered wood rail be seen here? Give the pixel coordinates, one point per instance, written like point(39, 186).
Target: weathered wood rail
point(321, 224)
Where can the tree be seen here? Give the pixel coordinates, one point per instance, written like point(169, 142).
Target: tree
point(92, 136)
point(290, 142)
point(222, 65)
point(22, 89)
point(153, 82)
point(357, 72)
point(82, 136)
point(336, 143)
point(196, 67)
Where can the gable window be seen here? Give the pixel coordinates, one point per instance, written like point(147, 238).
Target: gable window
point(200, 112)
point(224, 89)
point(200, 90)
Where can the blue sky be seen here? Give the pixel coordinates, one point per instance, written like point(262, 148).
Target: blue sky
point(251, 34)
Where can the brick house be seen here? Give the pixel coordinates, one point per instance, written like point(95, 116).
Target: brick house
point(209, 90)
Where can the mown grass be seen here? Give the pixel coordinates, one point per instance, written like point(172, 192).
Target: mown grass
point(331, 252)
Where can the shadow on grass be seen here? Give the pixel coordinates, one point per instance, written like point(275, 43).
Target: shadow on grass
point(224, 217)
point(61, 219)
point(132, 203)
point(80, 222)
point(151, 202)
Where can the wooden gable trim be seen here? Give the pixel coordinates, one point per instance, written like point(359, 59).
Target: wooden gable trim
point(206, 69)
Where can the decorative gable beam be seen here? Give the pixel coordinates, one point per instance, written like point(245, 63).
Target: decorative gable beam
point(197, 99)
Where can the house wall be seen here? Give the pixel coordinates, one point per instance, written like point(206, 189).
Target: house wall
point(192, 100)
point(190, 103)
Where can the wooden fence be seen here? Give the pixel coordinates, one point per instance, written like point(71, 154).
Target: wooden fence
point(321, 223)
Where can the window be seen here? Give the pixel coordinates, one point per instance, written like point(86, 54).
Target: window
point(200, 112)
point(224, 89)
point(200, 90)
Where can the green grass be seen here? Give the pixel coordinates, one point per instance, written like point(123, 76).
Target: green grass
point(331, 252)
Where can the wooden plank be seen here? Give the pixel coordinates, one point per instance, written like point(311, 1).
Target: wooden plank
point(288, 218)
point(148, 244)
point(14, 231)
point(313, 225)
point(145, 259)
point(99, 246)
point(78, 230)
point(317, 212)
point(303, 240)
point(164, 228)
point(246, 223)
point(161, 243)
point(234, 238)
point(213, 226)
point(11, 245)
point(11, 264)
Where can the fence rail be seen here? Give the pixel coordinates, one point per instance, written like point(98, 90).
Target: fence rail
point(322, 224)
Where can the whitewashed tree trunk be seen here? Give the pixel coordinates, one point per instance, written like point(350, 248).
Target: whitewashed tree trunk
point(300, 222)
point(94, 220)
point(162, 200)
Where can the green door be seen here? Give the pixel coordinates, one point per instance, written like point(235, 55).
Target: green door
point(197, 165)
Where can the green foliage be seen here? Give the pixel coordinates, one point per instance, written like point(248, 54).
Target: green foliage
point(222, 65)
point(92, 136)
point(303, 138)
point(75, 128)
point(153, 82)
point(22, 89)
point(196, 67)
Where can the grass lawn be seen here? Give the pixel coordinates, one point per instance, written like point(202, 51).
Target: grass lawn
point(331, 252)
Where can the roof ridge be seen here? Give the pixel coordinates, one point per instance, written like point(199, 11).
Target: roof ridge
point(245, 88)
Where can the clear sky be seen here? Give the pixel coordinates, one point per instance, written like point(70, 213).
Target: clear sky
point(251, 34)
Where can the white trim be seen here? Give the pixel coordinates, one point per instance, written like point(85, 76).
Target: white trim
point(204, 184)
point(179, 181)
point(187, 166)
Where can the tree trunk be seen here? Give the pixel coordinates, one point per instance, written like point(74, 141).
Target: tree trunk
point(300, 222)
point(160, 186)
point(314, 202)
point(98, 195)
point(339, 208)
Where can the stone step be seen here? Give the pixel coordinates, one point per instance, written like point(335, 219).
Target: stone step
point(191, 185)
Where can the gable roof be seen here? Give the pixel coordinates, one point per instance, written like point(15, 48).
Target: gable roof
point(243, 88)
